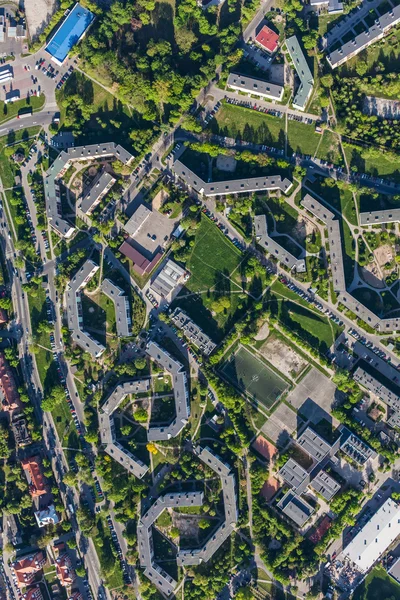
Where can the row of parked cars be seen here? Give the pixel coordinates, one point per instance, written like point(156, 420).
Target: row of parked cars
point(224, 229)
point(212, 113)
point(247, 104)
point(310, 298)
point(64, 384)
point(375, 349)
point(64, 78)
point(126, 576)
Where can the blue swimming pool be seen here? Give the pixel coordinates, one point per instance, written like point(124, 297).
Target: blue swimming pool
point(69, 33)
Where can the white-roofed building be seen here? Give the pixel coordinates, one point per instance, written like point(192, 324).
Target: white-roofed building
point(375, 537)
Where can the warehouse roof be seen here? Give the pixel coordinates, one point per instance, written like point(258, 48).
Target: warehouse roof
point(375, 537)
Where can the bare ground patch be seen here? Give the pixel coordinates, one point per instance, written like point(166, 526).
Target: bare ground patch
point(38, 14)
point(282, 357)
point(302, 229)
point(226, 163)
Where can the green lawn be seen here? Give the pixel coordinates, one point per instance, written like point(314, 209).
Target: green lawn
point(302, 138)
point(249, 125)
point(378, 585)
point(341, 199)
point(329, 148)
point(213, 258)
point(383, 165)
point(284, 291)
point(10, 111)
point(8, 168)
point(313, 328)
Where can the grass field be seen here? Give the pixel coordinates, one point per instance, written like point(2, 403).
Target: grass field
point(212, 264)
point(378, 585)
point(383, 165)
point(313, 328)
point(329, 148)
point(249, 125)
point(213, 256)
point(7, 166)
point(302, 138)
point(253, 377)
point(10, 111)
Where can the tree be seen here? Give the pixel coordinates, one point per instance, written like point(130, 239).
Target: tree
point(204, 524)
point(140, 415)
point(140, 363)
point(151, 448)
point(4, 449)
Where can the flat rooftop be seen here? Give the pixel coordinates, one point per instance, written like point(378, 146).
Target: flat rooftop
point(255, 86)
point(69, 33)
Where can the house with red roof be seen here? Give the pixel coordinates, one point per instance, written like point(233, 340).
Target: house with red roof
point(267, 40)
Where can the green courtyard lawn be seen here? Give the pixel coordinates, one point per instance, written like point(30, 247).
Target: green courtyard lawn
point(8, 167)
point(313, 328)
point(302, 138)
point(378, 585)
point(213, 265)
point(249, 125)
point(383, 165)
point(329, 148)
point(213, 256)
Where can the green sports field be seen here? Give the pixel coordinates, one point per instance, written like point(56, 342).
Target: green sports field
point(253, 377)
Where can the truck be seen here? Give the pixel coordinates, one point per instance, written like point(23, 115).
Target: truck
point(27, 112)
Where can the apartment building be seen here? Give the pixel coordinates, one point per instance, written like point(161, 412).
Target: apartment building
point(25, 569)
point(152, 570)
point(379, 29)
point(234, 186)
point(100, 187)
point(75, 313)
point(33, 472)
point(253, 86)
point(193, 332)
point(178, 376)
point(121, 306)
point(107, 430)
point(60, 166)
point(303, 72)
point(274, 248)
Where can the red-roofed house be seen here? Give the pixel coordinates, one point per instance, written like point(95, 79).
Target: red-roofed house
point(267, 40)
point(64, 570)
point(34, 476)
point(25, 569)
point(8, 386)
point(33, 593)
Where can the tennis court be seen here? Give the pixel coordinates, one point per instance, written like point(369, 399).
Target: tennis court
point(253, 377)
